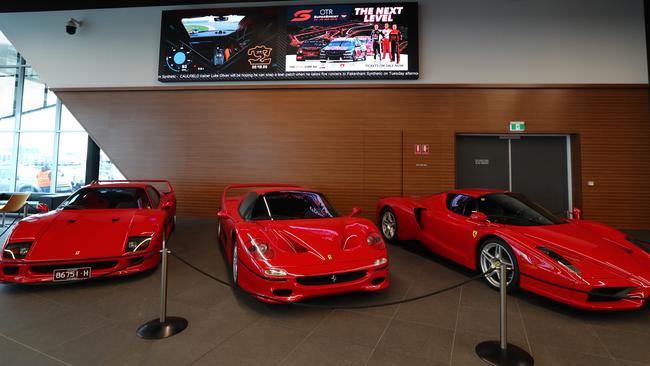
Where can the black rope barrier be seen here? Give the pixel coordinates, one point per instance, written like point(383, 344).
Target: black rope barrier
point(338, 307)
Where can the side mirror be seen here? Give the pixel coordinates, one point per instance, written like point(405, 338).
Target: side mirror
point(478, 217)
point(222, 215)
point(167, 205)
point(355, 211)
point(577, 213)
point(42, 208)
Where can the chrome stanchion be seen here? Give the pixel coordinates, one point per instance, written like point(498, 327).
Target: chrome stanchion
point(502, 353)
point(165, 326)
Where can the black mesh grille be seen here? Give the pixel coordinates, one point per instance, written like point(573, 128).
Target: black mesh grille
point(330, 279)
point(93, 265)
point(609, 293)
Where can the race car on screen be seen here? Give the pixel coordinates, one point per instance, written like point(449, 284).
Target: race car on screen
point(287, 243)
point(581, 263)
point(343, 49)
point(107, 228)
point(310, 49)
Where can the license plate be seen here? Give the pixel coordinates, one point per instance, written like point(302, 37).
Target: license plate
point(71, 274)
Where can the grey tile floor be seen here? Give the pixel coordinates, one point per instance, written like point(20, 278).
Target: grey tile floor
point(94, 323)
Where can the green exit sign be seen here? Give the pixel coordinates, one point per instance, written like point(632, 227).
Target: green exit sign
point(517, 126)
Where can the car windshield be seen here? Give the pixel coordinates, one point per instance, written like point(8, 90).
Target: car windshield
point(313, 43)
point(292, 205)
point(106, 198)
point(340, 44)
point(515, 209)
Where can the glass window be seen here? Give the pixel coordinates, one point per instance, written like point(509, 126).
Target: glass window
point(154, 197)
point(35, 153)
point(72, 161)
point(39, 119)
point(108, 170)
point(7, 124)
point(8, 54)
point(36, 95)
point(106, 198)
point(8, 91)
point(6, 162)
point(461, 204)
point(68, 122)
point(515, 209)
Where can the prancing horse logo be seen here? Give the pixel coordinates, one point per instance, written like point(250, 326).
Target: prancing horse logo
point(77, 252)
point(333, 278)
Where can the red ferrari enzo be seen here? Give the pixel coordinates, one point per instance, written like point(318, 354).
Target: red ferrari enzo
point(581, 263)
point(287, 243)
point(99, 229)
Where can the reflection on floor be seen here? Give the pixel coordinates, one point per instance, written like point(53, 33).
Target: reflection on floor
point(94, 323)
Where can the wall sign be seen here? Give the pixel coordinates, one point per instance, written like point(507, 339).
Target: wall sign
point(421, 149)
point(517, 126)
point(316, 42)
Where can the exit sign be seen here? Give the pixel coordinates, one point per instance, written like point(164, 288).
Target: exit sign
point(517, 126)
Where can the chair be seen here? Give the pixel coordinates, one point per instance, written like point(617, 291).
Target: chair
point(15, 203)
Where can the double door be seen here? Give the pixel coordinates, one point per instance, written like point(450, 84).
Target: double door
point(537, 166)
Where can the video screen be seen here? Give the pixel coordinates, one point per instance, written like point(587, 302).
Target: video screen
point(319, 42)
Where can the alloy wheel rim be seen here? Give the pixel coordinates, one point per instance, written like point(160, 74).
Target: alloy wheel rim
point(388, 224)
point(490, 252)
point(234, 265)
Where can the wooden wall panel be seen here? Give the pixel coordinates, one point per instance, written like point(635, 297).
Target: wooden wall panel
point(347, 141)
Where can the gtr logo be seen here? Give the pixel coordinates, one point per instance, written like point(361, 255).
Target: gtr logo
point(302, 15)
point(259, 55)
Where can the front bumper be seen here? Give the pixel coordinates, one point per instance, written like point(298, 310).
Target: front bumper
point(41, 271)
point(294, 288)
point(584, 295)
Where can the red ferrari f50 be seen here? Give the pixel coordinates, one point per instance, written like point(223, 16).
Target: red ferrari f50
point(581, 263)
point(287, 243)
point(106, 228)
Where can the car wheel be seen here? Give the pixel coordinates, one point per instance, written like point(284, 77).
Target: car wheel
point(389, 225)
point(498, 249)
point(234, 264)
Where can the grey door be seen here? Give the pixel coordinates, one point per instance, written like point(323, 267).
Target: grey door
point(539, 170)
point(482, 162)
point(536, 166)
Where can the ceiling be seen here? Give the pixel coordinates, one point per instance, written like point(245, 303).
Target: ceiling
point(13, 6)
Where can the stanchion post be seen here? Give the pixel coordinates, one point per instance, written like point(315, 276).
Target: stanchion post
point(165, 326)
point(501, 353)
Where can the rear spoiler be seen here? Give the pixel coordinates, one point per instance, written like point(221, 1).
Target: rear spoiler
point(170, 189)
point(253, 185)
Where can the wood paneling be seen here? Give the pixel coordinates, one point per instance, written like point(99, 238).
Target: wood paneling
point(347, 141)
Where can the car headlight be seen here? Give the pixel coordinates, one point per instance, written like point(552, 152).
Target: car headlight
point(17, 250)
point(375, 240)
point(261, 249)
point(380, 261)
point(137, 243)
point(560, 259)
point(275, 272)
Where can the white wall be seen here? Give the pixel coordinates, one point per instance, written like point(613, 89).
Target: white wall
point(462, 41)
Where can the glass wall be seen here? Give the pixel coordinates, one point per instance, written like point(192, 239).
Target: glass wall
point(42, 146)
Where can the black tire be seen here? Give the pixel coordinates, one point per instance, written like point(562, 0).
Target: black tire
point(388, 219)
point(234, 267)
point(490, 246)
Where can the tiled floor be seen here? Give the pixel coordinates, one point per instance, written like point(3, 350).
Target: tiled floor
point(95, 323)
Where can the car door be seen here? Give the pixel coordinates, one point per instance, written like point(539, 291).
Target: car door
point(455, 229)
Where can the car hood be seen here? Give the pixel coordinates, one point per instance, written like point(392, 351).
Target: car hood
point(320, 241)
point(596, 254)
point(83, 234)
point(337, 48)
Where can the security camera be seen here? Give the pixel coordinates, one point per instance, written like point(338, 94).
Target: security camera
point(72, 25)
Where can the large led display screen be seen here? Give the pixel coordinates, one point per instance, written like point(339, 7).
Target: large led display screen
point(316, 42)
